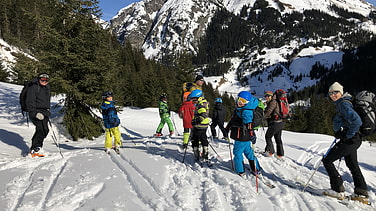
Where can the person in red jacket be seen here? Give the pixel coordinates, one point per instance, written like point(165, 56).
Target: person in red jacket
point(186, 112)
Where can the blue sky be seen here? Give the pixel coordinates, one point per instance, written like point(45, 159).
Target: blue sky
point(372, 2)
point(111, 7)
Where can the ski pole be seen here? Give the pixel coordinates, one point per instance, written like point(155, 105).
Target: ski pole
point(309, 180)
point(215, 151)
point(229, 148)
point(256, 172)
point(55, 139)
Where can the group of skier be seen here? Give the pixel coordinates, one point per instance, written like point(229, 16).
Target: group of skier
point(195, 114)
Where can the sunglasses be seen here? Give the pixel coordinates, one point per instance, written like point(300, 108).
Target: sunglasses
point(242, 100)
point(44, 79)
point(333, 93)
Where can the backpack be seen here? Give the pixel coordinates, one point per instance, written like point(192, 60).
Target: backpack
point(239, 130)
point(365, 105)
point(23, 94)
point(187, 86)
point(258, 115)
point(284, 107)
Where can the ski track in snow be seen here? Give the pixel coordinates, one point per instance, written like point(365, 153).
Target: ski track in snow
point(185, 186)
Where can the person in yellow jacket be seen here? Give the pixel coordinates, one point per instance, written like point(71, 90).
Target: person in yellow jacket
point(188, 87)
point(200, 125)
point(111, 123)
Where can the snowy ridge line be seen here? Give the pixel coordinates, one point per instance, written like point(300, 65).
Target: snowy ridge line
point(140, 182)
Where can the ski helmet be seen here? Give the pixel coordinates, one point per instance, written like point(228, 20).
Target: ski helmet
point(196, 93)
point(163, 95)
point(244, 97)
point(218, 100)
point(106, 94)
point(43, 75)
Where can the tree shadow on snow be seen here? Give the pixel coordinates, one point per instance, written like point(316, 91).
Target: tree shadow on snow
point(13, 139)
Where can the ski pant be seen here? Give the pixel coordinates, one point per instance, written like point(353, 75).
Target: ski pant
point(41, 131)
point(112, 132)
point(221, 127)
point(199, 135)
point(348, 150)
point(241, 147)
point(163, 121)
point(186, 135)
point(274, 130)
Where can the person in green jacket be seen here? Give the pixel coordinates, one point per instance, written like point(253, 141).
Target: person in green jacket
point(164, 114)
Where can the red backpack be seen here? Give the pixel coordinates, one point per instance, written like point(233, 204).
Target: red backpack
point(284, 107)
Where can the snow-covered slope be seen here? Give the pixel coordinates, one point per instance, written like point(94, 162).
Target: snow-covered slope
point(150, 175)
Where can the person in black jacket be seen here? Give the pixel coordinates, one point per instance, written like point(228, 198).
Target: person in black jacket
point(218, 119)
point(38, 100)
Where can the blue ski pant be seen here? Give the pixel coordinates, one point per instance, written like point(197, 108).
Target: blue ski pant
point(240, 148)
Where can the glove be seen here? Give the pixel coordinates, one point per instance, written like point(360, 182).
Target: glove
point(340, 134)
point(39, 116)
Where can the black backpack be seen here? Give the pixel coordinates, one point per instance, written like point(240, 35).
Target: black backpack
point(239, 130)
point(23, 94)
point(365, 105)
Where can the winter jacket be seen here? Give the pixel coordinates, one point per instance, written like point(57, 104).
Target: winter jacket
point(164, 111)
point(186, 112)
point(241, 131)
point(272, 111)
point(219, 113)
point(346, 117)
point(109, 114)
point(201, 118)
point(38, 99)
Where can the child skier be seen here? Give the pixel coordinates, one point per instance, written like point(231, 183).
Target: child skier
point(111, 123)
point(218, 119)
point(242, 132)
point(200, 124)
point(186, 112)
point(164, 114)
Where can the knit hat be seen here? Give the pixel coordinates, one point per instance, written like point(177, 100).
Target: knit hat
point(268, 93)
point(199, 77)
point(336, 87)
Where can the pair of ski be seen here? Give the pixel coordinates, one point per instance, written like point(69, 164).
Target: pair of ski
point(320, 192)
point(117, 150)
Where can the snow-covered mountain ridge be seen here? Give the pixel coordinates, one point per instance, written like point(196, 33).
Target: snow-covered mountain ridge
point(171, 27)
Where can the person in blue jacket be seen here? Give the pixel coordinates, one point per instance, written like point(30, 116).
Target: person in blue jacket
point(242, 132)
point(111, 123)
point(346, 124)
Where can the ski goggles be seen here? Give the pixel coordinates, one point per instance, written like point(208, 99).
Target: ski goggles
point(242, 100)
point(44, 79)
point(333, 93)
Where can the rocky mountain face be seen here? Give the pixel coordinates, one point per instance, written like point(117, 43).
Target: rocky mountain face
point(171, 27)
point(162, 27)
